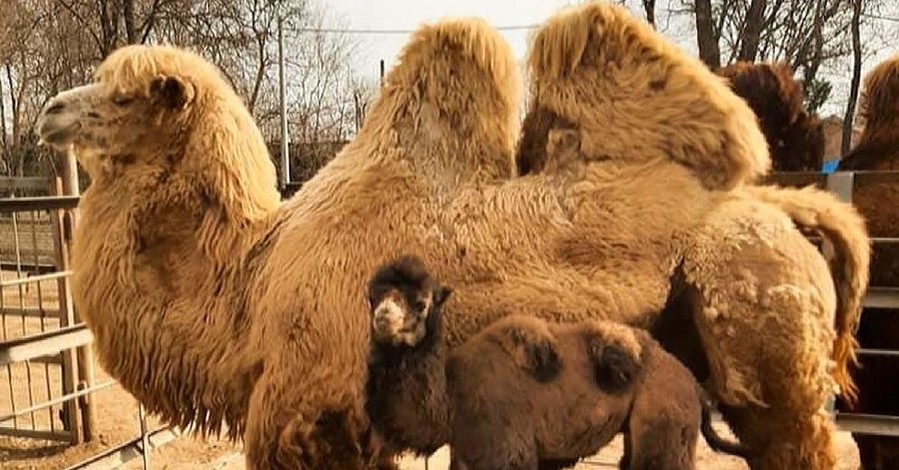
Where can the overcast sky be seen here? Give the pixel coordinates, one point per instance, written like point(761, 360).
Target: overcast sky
point(409, 14)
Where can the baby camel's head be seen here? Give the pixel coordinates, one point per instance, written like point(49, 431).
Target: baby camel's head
point(405, 302)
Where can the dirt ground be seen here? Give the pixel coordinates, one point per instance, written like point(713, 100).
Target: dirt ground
point(187, 454)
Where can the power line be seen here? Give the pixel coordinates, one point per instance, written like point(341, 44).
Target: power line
point(879, 17)
point(393, 31)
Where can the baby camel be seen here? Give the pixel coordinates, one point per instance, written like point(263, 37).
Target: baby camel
point(524, 393)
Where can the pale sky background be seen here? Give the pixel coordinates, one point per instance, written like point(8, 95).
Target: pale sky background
point(409, 14)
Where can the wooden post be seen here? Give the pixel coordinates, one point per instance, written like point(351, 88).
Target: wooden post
point(85, 356)
point(71, 416)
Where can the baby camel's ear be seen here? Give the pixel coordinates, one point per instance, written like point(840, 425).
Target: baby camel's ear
point(614, 367)
point(543, 361)
point(441, 294)
point(562, 142)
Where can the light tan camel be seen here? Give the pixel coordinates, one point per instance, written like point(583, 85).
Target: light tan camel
point(764, 302)
point(214, 304)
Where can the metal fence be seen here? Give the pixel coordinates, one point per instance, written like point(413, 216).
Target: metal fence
point(46, 366)
point(844, 185)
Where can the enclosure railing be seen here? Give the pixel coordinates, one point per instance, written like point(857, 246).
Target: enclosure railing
point(47, 372)
point(844, 184)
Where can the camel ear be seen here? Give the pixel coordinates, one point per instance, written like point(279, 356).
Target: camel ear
point(543, 361)
point(614, 367)
point(562, 142)
point(172, 92)
point(441, 294)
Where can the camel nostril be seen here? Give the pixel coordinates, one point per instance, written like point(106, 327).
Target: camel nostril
point(54, 108)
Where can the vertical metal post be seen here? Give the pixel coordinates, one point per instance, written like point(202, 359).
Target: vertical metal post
point(382, 72)
point(841, 184)
point(282, 88)
point(144, 437)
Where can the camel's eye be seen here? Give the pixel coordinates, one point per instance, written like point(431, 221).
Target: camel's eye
point(419, 306)
point(122, 100)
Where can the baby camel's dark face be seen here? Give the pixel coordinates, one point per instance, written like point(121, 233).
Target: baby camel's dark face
point(403, 296)
point(400, 318)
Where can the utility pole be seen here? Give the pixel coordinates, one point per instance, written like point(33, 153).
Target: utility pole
point(285, 138)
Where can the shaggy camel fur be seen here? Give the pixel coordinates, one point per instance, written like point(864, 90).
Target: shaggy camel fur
point(630, 98)
point(795, 137)
point(878, 149)
point(214, 304)
point(524, 393)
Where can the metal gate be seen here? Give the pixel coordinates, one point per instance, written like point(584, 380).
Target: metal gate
point(46, 372)
point(843, 185)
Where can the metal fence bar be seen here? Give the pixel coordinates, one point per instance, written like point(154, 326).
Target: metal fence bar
point(35, 312)
point(127, 451)
point(878, 352)
point(21, 204)
point(61, 436)
point(882, 297)
point(57, 401)
point(43, 344)
point(33, 279)
point(882, 425)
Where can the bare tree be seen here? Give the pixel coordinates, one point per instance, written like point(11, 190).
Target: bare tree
point(50, 45)
point(706, 34)
point(751, 33)
point(649, 7)
point(856, 75)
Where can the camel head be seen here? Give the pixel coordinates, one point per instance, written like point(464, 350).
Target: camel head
point(405, 303)
point(795, 137)
point(163, 117)
point(109, 120)
point(634, 96)
point(879, 102)
point(878, 110)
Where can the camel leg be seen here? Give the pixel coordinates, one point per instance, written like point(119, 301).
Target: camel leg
point(764, 308)
point(288, 428)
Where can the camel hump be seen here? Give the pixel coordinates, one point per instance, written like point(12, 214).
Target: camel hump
point(637, 96)
point(456, 87)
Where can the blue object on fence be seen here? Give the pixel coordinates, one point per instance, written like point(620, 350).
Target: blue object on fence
point(830, 166)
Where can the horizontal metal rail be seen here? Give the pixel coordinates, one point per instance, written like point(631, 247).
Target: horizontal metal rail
point(33, 279)
point(20, 204)
point(44, 344)
point(878, 352)
point(26, 267)
point(60, 435)
point(868, 424)
point(881, 297)
point(35, 312)
point(56, 401)
point(116, 456)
